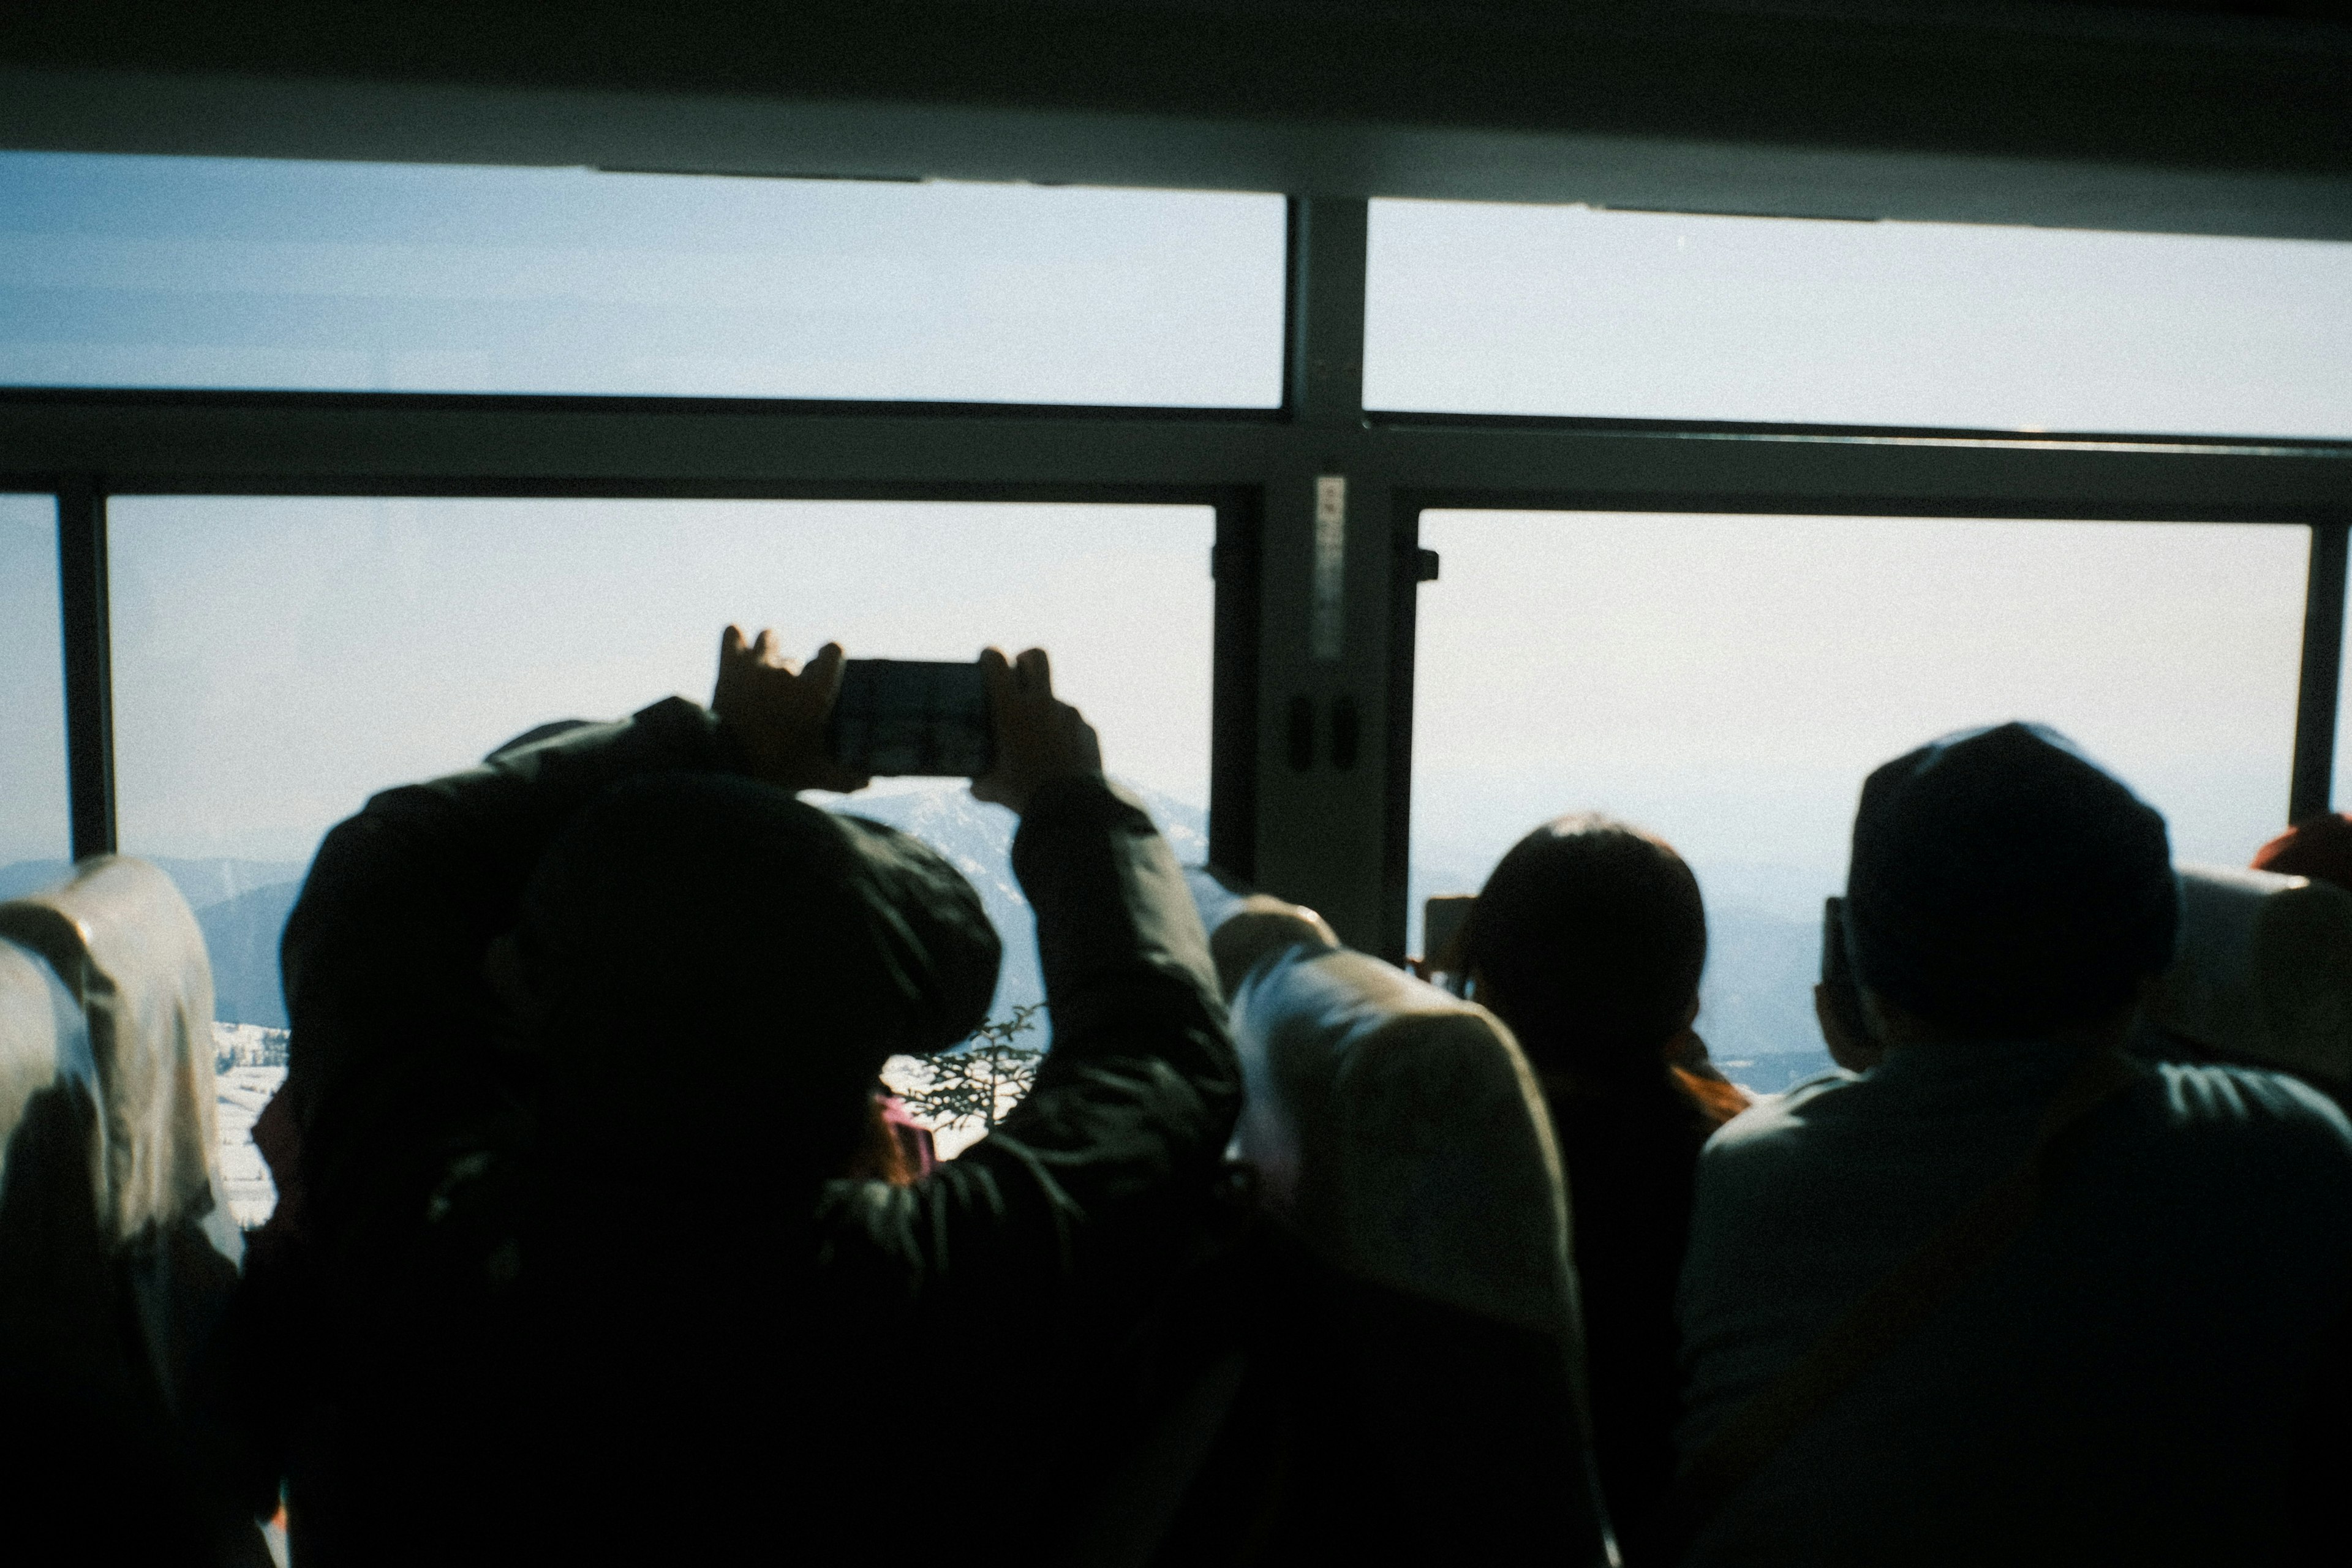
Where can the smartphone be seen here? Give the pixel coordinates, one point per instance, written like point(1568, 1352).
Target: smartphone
point(1843, 994)
point(902, 716)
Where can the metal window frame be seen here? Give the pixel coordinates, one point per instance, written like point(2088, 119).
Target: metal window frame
point(1331, 835)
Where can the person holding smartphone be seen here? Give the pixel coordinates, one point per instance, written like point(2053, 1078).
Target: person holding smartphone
point(584, 1043)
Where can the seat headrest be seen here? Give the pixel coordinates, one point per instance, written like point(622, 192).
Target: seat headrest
point(127, 948)
point(1246, 928)
point(43, 1044)
point(1399, 1132)
point(2263, 973)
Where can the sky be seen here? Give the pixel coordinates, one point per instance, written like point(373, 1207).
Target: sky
point(1479, 308)
point(1728, 681)
point(276, 660)
point(33, 822)
point(355, 277)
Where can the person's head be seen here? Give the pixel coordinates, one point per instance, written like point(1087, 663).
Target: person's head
point(2003, 886)
point(1587, 941)
point(2319, 848)
point(720, 972)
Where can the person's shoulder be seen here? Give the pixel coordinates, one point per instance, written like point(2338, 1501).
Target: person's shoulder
point(2250, 1131)
point(2254, 1100)
point(1783, 1119)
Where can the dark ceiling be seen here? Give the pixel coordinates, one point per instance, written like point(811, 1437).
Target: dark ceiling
point(2206, 118)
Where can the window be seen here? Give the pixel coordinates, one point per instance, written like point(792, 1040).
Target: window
point(196, 272)
point(2340, 778)
point(1492, 308)
point(36, 834)
point(1728, 681)
point(278, 660)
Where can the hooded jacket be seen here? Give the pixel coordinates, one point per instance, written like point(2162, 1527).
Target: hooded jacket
point(480, 1348)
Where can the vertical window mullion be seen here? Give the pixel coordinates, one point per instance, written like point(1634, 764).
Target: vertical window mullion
point(88, 667)
point(2321, 677)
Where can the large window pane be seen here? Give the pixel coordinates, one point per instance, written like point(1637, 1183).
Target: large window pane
point(2340, 776)
point(1728, 681)
point(1495, 308)
point(193, 272)
point(278, 660)
point(36, 834)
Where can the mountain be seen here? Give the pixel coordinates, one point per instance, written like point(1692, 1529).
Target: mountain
point(242, 933)
point(1757, 996)
point(204, 882)
point(30, 877)
point(241, 905)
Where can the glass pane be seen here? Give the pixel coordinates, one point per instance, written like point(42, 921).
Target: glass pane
point(1728, 681)
point(36, 833)
point(278, 660)
point(1493, 308)
point(2339, 796)
point(199, 272)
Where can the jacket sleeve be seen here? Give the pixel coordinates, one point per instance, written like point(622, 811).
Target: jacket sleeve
point(382, 954)
point(1125, 1125)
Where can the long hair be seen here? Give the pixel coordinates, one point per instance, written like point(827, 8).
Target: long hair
point(1589, 940)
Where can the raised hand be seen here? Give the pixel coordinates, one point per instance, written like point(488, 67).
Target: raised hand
point(1039, 738)
point(778, 711)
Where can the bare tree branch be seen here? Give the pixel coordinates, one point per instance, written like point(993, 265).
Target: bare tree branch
point(981, 1081)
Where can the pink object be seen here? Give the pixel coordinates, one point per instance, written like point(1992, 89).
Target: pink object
point(914, 1139)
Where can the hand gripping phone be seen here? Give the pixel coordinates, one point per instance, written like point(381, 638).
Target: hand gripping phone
point(902, 716)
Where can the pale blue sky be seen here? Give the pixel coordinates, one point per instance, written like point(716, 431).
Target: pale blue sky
point(1484, 308)
point(276, 660)
point(372, 277)
point(33, 822)
point(1728, 681)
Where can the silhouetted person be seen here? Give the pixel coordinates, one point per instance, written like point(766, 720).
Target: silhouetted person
point(1589, 940)
point(584, 1042)
point(2011, 1296)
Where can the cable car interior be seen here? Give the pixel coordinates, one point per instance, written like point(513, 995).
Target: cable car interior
point(1405, 426)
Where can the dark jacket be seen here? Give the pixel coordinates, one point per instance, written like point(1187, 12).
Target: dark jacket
point(1632, 1155)
point(475, 1362)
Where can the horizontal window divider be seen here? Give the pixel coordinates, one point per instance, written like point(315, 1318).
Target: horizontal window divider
point(304, 443)
point(1620, 471)
point(1874, 435)
point(300, 444)
point(582, 403)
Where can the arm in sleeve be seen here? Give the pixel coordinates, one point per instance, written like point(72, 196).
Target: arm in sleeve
point(1131, 1112)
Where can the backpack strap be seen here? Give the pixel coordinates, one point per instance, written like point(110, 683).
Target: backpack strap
point(1899, 1304)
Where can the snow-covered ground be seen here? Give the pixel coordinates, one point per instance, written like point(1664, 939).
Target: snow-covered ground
point(248, 1069)
point(909, 1076)
point(248, 1064)
point(240, 1094)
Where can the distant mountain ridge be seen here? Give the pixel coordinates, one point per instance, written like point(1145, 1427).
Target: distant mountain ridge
point(1756, 999)
point(241, 905)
